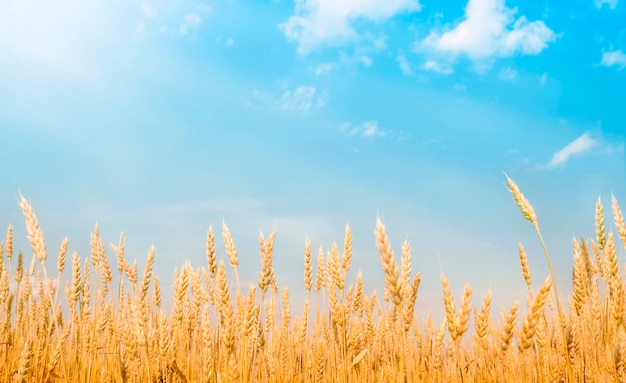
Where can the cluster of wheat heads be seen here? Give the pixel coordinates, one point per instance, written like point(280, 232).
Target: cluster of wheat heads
point(111, 326)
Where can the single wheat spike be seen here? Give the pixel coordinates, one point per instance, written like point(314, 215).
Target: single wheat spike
point(147, 274)
point(617, 216)
point(132, 274)
point(580, 279)
point(225, 306)
point(308, 266)
point(76, 280)
point(437, 362)
point(230, 247)
point(35, 235)
point(509, 325)
point(525, 207)
point(409, 307)
point(266, 276)
point(347, 250)
point(392, 284)
point(359, 295)
point(449, 306)
point(211, 258)
point(9, 242)
point(122, 264)
point(481, 321)
point(584, 251)
point(536, 310)
point(462, 320)
point(600, 231)
point(286, 314)
point(4, 287)
point(199, 295)
point(156, 292)
point(524, 263)
point(405, 269)
point(95, 253)
point(19, 272)
point(334, 267)
point(611, 264)
point(320, 274)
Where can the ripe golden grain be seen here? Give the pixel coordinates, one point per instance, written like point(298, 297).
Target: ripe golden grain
point(214, 333)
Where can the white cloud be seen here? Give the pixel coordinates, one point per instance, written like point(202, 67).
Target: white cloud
point(370, 129)
point(303, 98)
point(319, 22)
point(577, 147)
point(192, 21)
point(617, 58)
point(508, 74)
point(348, 129)
point(432, 65)
point(230, 42)
point(367, 129)
point(611, 3)
point(489, 29)
point(323, 68)
point(405, 67)
point(356, 59)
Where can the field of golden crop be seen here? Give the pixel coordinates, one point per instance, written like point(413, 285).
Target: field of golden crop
point(97, 330)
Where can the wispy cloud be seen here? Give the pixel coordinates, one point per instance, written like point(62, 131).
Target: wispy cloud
point(489, 29)
point(614, 58)
point(434, 66)
point(192, 21)
point(329, 22)
point(577, 147)
point(508, 74)
point(323, 68)
point(610, 3)
point(405, 67)
point(147, 12)
point(303, 98)
point(366, 129)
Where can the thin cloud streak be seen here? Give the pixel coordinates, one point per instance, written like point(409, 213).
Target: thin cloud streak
point(577, 147)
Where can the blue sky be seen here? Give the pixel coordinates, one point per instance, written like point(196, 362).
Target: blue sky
point(160, 118)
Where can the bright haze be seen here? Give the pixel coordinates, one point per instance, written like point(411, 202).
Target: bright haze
point(161, 118)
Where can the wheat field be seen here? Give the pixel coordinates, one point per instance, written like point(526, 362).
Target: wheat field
point(98, 330)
